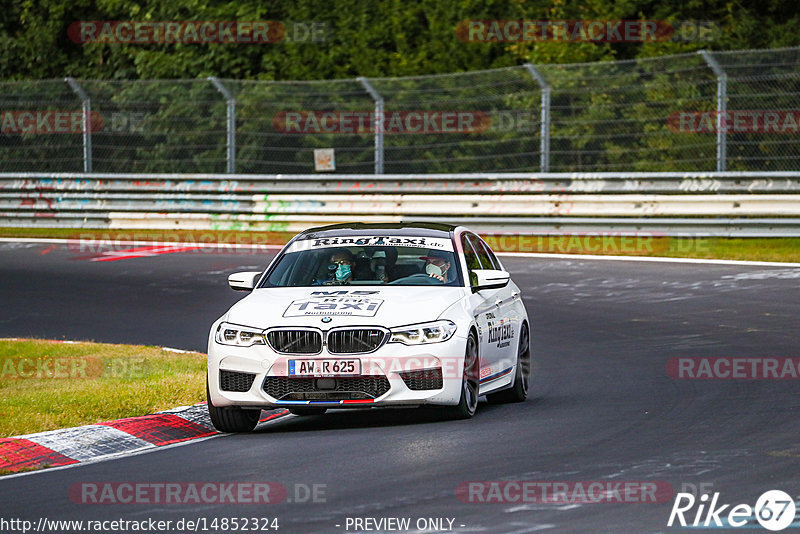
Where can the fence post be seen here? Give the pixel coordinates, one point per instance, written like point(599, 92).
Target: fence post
point(722, 97)
point(230, 102)
point(544, 135)
point(379, 119)
point(86, 123)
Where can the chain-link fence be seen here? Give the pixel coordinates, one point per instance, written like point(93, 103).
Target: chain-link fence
point(735, 110)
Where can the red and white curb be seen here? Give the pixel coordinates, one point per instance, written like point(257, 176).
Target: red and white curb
point(99, 441)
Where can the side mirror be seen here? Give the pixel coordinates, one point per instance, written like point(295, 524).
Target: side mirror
point(490, 279)
point(244, 281)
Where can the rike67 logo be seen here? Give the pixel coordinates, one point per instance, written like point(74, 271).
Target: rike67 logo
point(774, 510)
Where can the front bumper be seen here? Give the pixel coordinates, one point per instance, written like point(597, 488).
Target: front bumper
point(393, 375)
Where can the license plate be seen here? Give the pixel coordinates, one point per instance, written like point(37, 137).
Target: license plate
point(324, 367)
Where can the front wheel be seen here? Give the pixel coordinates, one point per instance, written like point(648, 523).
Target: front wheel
point(470, 384)
point(231, 418)
point(519, 391)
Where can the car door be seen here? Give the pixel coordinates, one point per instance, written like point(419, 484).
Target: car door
point(483, 310)
point(502, 333)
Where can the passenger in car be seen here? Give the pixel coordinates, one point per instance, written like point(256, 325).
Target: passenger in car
point(361, 268)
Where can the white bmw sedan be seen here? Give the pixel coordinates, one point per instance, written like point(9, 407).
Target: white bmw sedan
point(361, 315)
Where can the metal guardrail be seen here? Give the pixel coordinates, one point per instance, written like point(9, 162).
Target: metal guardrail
point(672, 203)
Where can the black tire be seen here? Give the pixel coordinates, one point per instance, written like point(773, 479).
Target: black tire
point(470, 383)
point(232, 418)
point(519, 391)
point(307, 411)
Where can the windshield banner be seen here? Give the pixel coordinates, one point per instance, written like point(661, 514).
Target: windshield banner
point(372, 241)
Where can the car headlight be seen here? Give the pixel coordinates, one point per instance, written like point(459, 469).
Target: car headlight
point(239, 336)
point(419, 334)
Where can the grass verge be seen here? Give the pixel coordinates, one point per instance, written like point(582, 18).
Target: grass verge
point(47, 385)
point(780, 249)
point(4, 472)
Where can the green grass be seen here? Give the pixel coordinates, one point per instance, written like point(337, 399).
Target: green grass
point(4, 472)
point(785, 249)
point(46, 385)
point(780, 249)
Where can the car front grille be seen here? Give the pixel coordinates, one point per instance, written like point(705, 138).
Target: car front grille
point(340, 341)
point(355, 340)
point(423, 379)
point(235, 381)
point(295, 341)
point(359, 387)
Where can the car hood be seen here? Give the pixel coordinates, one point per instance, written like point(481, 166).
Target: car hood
point(309, 306)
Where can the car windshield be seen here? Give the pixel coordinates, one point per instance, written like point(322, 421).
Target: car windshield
point(372, 260)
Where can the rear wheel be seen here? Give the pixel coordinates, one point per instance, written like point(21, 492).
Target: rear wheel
point(232, 418)
point(307, 411)
point(519, 391)
point(470, 383)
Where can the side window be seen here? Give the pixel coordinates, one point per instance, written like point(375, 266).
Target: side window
point(471, 258)
point(490, 255)
point(483, 256)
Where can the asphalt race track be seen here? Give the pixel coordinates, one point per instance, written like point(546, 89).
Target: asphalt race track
point(602, 405)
